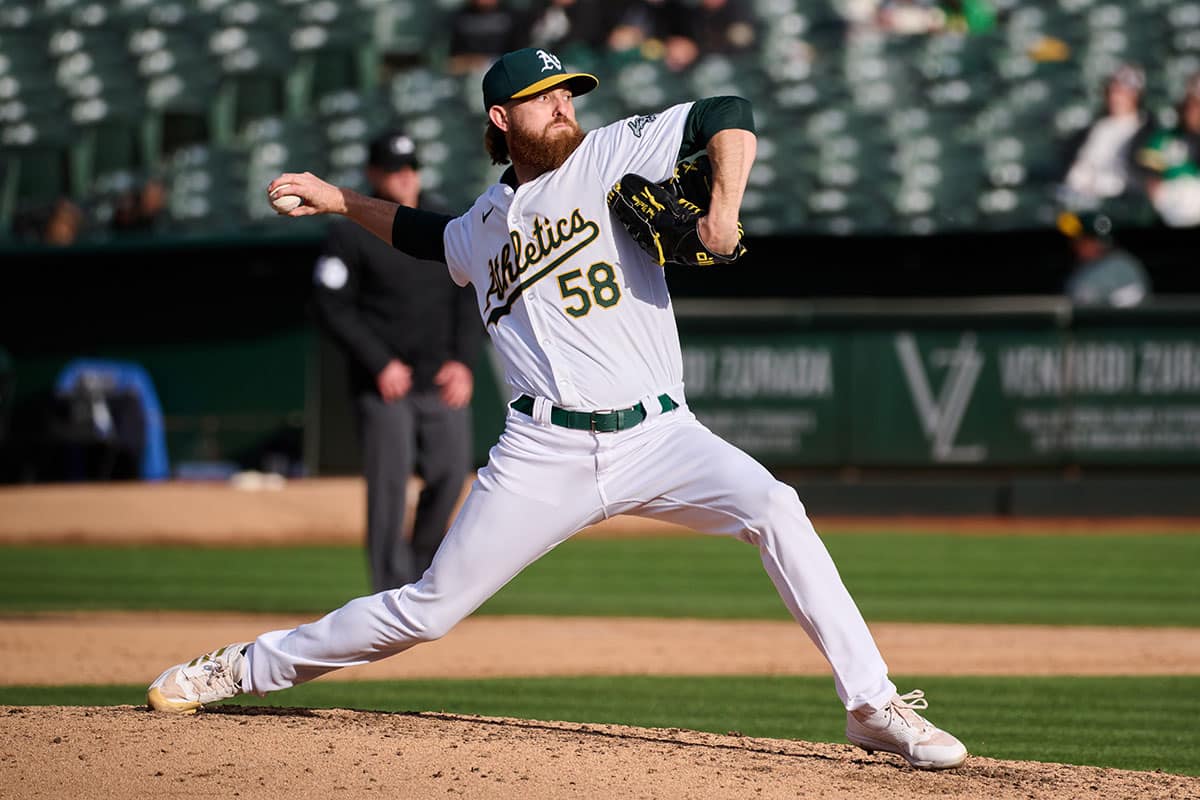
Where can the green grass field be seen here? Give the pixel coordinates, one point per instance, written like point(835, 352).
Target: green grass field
point(1095, 580)
point(1134, 723)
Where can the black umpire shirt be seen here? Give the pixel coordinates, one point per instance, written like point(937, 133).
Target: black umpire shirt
point(380, 304)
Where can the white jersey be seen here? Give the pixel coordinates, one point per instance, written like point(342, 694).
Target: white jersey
point(577, 311)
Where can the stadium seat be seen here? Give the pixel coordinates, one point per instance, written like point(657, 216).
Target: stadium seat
point(43, 174)
point(8, 195)
point(110, 146)
point(403, 29)
point(916, 131)
point(267, 147)
point(200, 181)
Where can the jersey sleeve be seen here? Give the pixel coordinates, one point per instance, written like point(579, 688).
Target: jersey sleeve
point(457, 241)
point(647, 145)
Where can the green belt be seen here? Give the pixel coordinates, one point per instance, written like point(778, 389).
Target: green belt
point(595, 421)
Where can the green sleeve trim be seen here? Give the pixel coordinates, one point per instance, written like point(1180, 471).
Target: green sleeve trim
point(711, 115)
point(420, 234)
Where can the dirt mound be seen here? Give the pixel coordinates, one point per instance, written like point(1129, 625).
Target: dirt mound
point(111, 752)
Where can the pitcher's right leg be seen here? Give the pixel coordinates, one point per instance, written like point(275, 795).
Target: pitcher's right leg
point(536, 491)
point(496, 535)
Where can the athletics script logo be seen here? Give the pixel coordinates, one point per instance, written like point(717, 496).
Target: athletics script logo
point(941, 418)
point(561, 238)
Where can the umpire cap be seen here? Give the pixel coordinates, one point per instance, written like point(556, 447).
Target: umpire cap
point(392, 151)
point(525, 72)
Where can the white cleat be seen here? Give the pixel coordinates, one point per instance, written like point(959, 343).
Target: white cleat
point(898, 728)
point(214, 676)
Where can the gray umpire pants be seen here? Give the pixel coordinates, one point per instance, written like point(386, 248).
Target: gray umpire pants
point(417, 434)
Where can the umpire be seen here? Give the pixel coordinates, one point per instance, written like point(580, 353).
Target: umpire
point(411, 337)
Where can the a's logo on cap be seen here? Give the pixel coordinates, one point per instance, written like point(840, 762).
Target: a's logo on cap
point(548, 61)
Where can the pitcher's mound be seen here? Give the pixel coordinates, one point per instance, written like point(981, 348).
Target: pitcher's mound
point(270, 754)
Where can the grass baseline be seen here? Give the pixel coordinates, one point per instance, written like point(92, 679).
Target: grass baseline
point(1062, 580)
point(1106, 722)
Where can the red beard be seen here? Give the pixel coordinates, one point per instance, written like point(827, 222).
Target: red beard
point(546, 151)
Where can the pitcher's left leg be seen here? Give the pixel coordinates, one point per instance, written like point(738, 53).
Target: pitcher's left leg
point(701, 481)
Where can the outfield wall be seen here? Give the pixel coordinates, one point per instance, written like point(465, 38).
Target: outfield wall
point(997, 383)
point(1009, 406)
point(998, 406)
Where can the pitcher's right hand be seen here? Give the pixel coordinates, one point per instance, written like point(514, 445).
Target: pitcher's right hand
point(317, 196)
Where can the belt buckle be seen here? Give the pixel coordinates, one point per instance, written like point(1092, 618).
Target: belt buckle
point(592, 419)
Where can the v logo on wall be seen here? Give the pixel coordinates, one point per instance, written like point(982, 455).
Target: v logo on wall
point(941, 417)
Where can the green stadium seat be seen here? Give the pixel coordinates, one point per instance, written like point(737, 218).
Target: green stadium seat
point(645, 86)
point(265, 160)
point(113, 146)
point(200, 183)
point(20, 16)
point(403, 28)
point(8, 193)
point(913, 131)
point(1004, 208)
point(1182, 16)
point(42, 175)
point(421, 90)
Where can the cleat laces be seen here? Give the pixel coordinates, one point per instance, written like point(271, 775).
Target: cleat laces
point(206, 676)
point(906, 706)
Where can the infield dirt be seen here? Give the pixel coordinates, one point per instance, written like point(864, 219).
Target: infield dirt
point(265, 754)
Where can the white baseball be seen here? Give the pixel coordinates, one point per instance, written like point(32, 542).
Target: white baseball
point(284, 203)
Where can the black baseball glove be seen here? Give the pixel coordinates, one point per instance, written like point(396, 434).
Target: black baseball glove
point(661, 217)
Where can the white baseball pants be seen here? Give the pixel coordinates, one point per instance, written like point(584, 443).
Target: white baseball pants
point(544, 483)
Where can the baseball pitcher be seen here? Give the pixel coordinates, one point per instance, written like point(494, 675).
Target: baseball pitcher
point(598, 424)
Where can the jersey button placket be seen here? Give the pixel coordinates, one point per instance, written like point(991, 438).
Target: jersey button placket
point(533, 310)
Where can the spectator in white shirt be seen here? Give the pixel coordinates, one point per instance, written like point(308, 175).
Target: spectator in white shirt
point(1101, 167)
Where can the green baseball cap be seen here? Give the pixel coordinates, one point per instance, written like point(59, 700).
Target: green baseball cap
point(526, 72)
point(1085, 223)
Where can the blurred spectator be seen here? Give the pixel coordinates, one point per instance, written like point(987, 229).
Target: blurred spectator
point(66, 220)
point(969, 16)
point(910, 16)
point(558, 25)
point(480, 32)
point(58, 224)
point(636, 22)
point(139, 208)
point(712, 26)
point(857, 12)
point(1104, 275)
point(1100, 167)
point(596, 25)
point(1168, 161)
point(932, 16)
